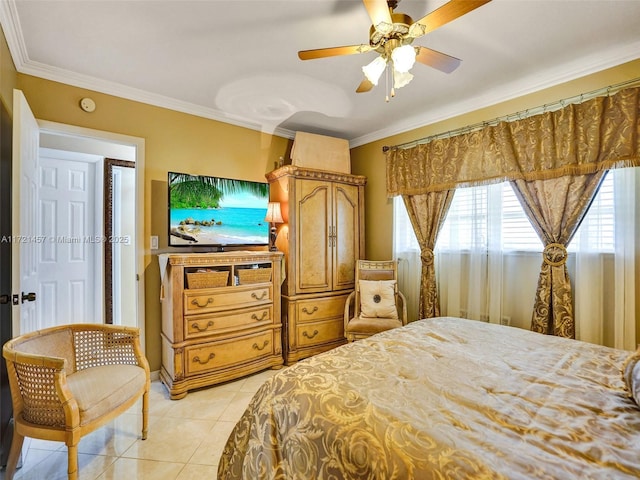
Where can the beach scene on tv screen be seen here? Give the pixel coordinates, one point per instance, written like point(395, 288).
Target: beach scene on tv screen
point(217, 211)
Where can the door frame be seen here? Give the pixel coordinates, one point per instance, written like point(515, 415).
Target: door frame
point(138, 143)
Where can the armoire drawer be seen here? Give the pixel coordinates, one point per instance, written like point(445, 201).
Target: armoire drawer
point(316, 309)
point(214, 355)
point(216, 299)
point(317, 333)
point(201, 325)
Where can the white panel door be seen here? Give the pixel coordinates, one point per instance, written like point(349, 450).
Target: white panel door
point(68, 256)
point(25, 236)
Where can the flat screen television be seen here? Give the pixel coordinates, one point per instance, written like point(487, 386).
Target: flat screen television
point(207, 211)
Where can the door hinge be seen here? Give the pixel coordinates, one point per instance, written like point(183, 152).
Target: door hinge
point(4, 299)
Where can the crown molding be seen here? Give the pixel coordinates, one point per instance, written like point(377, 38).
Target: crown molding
point(524, 86)
point(13, 33)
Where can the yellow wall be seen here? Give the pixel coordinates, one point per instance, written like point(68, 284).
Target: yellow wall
point(173, 141)
point(370, 161)
point(8, 75)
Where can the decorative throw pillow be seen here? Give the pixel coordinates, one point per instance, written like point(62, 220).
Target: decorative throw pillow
point(631, 375)
point(377, 299)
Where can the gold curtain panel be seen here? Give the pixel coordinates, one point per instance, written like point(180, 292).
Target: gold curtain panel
point(598, 134)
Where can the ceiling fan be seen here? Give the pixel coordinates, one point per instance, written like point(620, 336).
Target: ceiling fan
point(391, 35)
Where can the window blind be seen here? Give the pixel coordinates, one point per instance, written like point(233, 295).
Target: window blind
point(472, 219)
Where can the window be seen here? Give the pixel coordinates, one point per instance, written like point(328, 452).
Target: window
point(488, 260)
point(490, 216)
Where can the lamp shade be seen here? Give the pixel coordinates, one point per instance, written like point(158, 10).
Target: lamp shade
point(403, 58)
point(374, 69)
point(400, 79)
point(274, 215)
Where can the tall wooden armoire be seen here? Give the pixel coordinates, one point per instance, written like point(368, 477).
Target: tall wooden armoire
point(322, 237)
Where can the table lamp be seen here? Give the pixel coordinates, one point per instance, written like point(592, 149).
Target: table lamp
point(274, 215)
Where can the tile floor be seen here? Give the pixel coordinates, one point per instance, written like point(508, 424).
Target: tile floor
point(185, 439)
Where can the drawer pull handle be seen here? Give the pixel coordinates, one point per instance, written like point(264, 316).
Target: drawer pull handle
point(199, 305)
point(255, 295)
point(305, 334)
point(195, 326)
point(197, 359)
point(264, 345)
point(313, 310)
point(264, 314)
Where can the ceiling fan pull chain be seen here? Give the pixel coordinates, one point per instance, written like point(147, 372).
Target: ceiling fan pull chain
point(393, 80)
point(386, 84)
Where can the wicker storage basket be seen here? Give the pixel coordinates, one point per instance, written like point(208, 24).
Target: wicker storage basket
point(254, 275)
point(207, 279)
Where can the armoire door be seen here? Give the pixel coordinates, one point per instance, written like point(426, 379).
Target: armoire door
point(345, 235)
point(312, 250)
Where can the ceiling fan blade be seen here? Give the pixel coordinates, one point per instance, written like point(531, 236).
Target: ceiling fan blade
point(438, 60)
point(443, 15)
point(378, 11)
point(364, 86)
point(333, 51)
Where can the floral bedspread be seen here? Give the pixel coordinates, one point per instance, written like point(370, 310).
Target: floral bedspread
point(443, 398)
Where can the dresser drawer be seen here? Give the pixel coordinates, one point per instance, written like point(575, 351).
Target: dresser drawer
point(316, 309)
point(214, 355)
point(216, 299)
point(317, 333)
point(207, 324)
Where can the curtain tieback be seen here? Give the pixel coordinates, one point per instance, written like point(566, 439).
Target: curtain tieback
point(427, 256)
point(554, 254)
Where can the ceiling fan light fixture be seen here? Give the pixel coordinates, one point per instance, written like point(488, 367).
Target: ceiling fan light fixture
point(404, 58)
point(400, 79)
point(374, 70)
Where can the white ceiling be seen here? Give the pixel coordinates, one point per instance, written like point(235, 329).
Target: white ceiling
point(236, 60)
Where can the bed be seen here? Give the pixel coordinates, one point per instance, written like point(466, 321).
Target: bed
point(444, 398)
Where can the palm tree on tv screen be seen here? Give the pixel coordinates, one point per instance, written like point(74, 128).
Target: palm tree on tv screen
point(190, 191)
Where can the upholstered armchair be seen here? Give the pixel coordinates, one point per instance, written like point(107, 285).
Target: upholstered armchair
point(69, 380)
point(376, 304)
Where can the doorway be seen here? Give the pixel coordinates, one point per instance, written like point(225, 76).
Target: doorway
point(128, 206)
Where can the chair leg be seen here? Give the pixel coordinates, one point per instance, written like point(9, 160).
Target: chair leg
point(14, 455)
point(145, 414)
point(72, 454)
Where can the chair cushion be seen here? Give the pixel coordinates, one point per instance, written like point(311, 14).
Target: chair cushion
point(370, 326)
point(378, 299)
point(99, 390)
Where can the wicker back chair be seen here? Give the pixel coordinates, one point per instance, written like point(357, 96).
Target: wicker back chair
point(69, 380)
point(376, 304)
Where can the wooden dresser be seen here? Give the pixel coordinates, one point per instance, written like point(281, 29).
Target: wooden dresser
point(220, 317)
point(322, 238)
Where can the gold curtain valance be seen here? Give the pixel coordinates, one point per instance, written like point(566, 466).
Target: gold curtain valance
point(598, 134)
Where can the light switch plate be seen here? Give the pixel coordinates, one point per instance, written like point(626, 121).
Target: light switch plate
point(154, 242)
